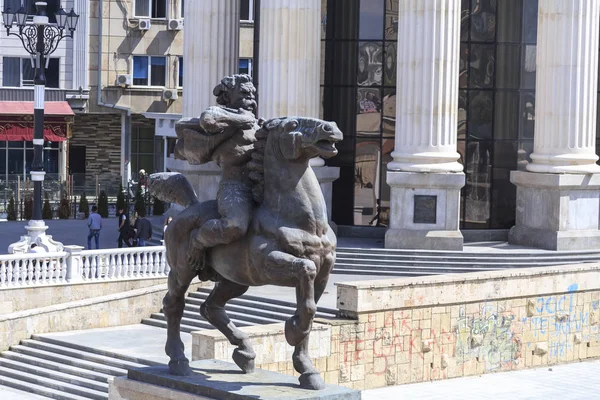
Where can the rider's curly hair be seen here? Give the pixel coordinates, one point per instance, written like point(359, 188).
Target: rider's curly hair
point(228, 84)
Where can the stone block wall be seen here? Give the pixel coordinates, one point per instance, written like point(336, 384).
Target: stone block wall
point(422, 329)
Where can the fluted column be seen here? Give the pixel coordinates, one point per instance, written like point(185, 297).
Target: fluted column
point(566, 87)
point(427, 79)
point(210, 50)
point(81, 44)
point(289, 58)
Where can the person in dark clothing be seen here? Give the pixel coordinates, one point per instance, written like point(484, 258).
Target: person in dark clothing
point(124, 229)
point(143, 228)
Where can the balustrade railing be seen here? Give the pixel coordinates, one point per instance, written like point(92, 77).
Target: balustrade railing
point(77, 265)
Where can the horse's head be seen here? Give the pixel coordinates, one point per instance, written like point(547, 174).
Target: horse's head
point(303, 138)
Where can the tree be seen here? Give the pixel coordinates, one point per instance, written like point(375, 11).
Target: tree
point(64, 209)
point(159, 207)
point(11, 210)
point(140, 205)
point(47, 209)
point(120, 199)
point(28, 208)
point(84, 205)
point(103, 205)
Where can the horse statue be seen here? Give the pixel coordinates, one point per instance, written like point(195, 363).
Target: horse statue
point(288, 243)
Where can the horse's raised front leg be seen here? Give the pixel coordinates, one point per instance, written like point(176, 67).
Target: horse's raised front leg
point(310, 378)
point(304, 272)
point(213, 309)
point(173, 305)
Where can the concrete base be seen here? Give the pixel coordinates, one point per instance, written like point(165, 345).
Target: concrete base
point(556, 211)
point(218, 380)
point(36, 235)
point(423, 240)
point(412, 227)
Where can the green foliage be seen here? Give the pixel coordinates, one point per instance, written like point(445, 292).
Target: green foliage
point(46, 209)
point(84, 205)
point(11, 210)
point(28, 208)
point(103, 204)
point(64, 209)
point(121, 199)
point(140, 205)
point(158, 207)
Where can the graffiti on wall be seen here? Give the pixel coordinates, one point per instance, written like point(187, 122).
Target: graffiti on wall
point(491, 337)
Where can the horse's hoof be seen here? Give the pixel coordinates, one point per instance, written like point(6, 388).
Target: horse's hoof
point(294, 335)
point(312, 381)
point(244, 360)
point(180, 367)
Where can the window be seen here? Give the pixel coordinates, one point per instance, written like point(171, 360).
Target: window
point(180, 82)
point(18, 72)
point(246, 10)
point(151, 8)
point(245, 66)
point(149, 71)
point(146, 149)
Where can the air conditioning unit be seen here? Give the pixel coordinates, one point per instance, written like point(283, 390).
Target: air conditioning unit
point(175, 24)
point(144, 25)
point(169, 94)
point(124, 80)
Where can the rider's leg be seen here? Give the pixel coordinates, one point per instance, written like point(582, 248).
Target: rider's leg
point(214, 312)
point(235, 207)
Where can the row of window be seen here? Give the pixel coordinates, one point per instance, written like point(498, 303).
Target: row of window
point(142, 8)
point(152, 70)
point(158, 9)
point(147, 71)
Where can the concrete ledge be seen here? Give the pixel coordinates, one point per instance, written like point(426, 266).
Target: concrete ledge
point(389, 294)
point(556, 181)
point(100, 312)
point(268, 341)
point(423, 239)
point(122, 388)
point(554, 240)
point(20, 298)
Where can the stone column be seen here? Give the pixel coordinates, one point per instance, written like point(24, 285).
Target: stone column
point(290, 69)
point(425, 176)
point(557, 211)
point(210, 52)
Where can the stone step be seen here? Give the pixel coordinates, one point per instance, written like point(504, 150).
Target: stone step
point(48, 383)
point(80, 354)
point(264, 300)
point(39, 390)
point(195, 323)
point(102, 352)
point(93, 366)
point(19, 366)
point(248, 317)
point(56, 366)
point(251, 306)
point(370, 272)
point(464, 253)
point(163, 324)
point(432, 267)
point(194, 307)
point(499, 259)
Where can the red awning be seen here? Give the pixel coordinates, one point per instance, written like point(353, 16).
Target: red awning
point(16, 120)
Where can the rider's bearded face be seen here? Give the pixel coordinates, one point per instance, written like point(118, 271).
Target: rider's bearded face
point(243, 97)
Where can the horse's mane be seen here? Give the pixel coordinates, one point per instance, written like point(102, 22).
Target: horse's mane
point(256, 165)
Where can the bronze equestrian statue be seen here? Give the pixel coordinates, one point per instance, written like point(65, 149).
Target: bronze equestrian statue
point(269, 222)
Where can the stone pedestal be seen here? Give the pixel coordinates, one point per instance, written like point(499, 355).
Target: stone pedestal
point(326, 176)
point(220, 381)
point(425, 211)
point(556, 212)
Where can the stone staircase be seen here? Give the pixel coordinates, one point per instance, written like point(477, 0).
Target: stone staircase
point(384, 262)
point(58, 369)
point(243, 311)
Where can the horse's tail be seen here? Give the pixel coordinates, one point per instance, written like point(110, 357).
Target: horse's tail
point(172, 187)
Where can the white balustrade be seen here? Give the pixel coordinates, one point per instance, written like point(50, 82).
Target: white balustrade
point(82, 265)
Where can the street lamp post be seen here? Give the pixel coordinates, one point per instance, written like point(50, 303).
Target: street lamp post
point(40, 39)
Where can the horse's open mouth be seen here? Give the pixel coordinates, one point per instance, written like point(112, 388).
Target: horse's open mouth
point(326, 147)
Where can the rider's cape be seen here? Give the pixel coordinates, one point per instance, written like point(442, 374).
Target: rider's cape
point(198, 138)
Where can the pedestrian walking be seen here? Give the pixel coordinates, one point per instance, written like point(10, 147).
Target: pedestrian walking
point(94, 222)
point(124, 229)
point(144, 230)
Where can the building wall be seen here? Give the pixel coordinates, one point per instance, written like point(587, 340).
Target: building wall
point(424, 329)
